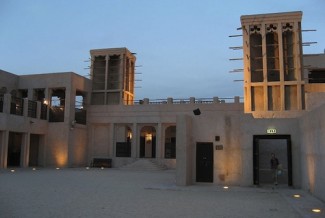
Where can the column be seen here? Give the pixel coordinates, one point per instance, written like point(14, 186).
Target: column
point(184, 147)
point(4, 138)
point(38, 110)
point(111, 149)
point(25, 107)
point(159, 145)
point(24, 158)
point(134, 144)
point(265, 67)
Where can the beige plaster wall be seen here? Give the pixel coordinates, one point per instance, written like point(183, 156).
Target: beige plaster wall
point(250, 127)
point(8, 80)
point(78, 146)
point(313, 151)
point(57, 142)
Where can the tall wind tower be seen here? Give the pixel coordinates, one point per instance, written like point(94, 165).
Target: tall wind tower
point(273, 69)
point(112, 75)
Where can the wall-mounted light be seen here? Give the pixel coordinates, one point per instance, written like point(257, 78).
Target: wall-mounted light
point(316, 210)
point(148, 137)
point(45, 102)
point(129, 135)
point(197, 112)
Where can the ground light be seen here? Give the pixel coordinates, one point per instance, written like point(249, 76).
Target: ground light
point(87, 168)
point(316, 210)
point(57, 168)
point(12, 171)
point(225, 187)
point(102, 168)
point(296, 196)
point(34, 168)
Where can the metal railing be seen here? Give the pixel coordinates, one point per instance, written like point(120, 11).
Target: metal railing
point(17, 106)
point(81, 116)
point(189, 101)
point(43, 112)
point(1, 103)
point(56, 114)
point(32, 109)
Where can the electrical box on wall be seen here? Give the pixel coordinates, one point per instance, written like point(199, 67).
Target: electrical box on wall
point(217, 138)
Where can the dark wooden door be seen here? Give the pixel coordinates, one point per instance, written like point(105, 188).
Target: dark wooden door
point(204, 162)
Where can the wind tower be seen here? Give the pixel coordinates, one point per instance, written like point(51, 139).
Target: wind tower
point(273, 69)
point(112, 75)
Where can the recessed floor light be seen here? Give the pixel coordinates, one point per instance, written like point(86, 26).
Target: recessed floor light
point(225, 187)
point(12, 171)
point(57, 168)
point(296, 196)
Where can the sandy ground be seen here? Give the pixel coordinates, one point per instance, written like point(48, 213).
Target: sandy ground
point(119, 193)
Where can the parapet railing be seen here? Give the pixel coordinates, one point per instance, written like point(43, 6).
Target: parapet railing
point(191, 100)
point(22, 107)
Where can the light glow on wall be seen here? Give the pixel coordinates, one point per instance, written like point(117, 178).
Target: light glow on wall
point(311, 172)
point(61, 159)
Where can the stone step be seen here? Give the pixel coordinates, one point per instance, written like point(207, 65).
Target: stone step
point(144, 165)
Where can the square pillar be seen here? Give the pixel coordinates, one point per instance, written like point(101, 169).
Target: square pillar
point(159, 141)
point(134, 141)
point(112, 136)
point(184, 147)
point(4, 138)
point(24, 158)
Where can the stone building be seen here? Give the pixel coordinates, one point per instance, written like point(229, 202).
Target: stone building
point(66, 120)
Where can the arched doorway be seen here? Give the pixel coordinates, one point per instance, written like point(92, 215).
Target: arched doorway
point(148, 142)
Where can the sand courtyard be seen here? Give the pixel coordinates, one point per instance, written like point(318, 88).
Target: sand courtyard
point(81, 192)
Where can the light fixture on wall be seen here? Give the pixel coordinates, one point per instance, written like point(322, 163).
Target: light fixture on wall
point(197, 112)
point(148, 137)
point(129, 135)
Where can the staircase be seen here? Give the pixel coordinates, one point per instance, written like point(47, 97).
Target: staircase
point(144, 165)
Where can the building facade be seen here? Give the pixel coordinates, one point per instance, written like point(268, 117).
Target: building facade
point(66, 120)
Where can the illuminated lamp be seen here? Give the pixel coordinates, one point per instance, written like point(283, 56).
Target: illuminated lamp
point(316, 210)
point(148, 137)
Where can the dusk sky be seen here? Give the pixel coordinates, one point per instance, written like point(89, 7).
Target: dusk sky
point(182, 46)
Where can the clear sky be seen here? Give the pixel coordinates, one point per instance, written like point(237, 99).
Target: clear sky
point(182, 45)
